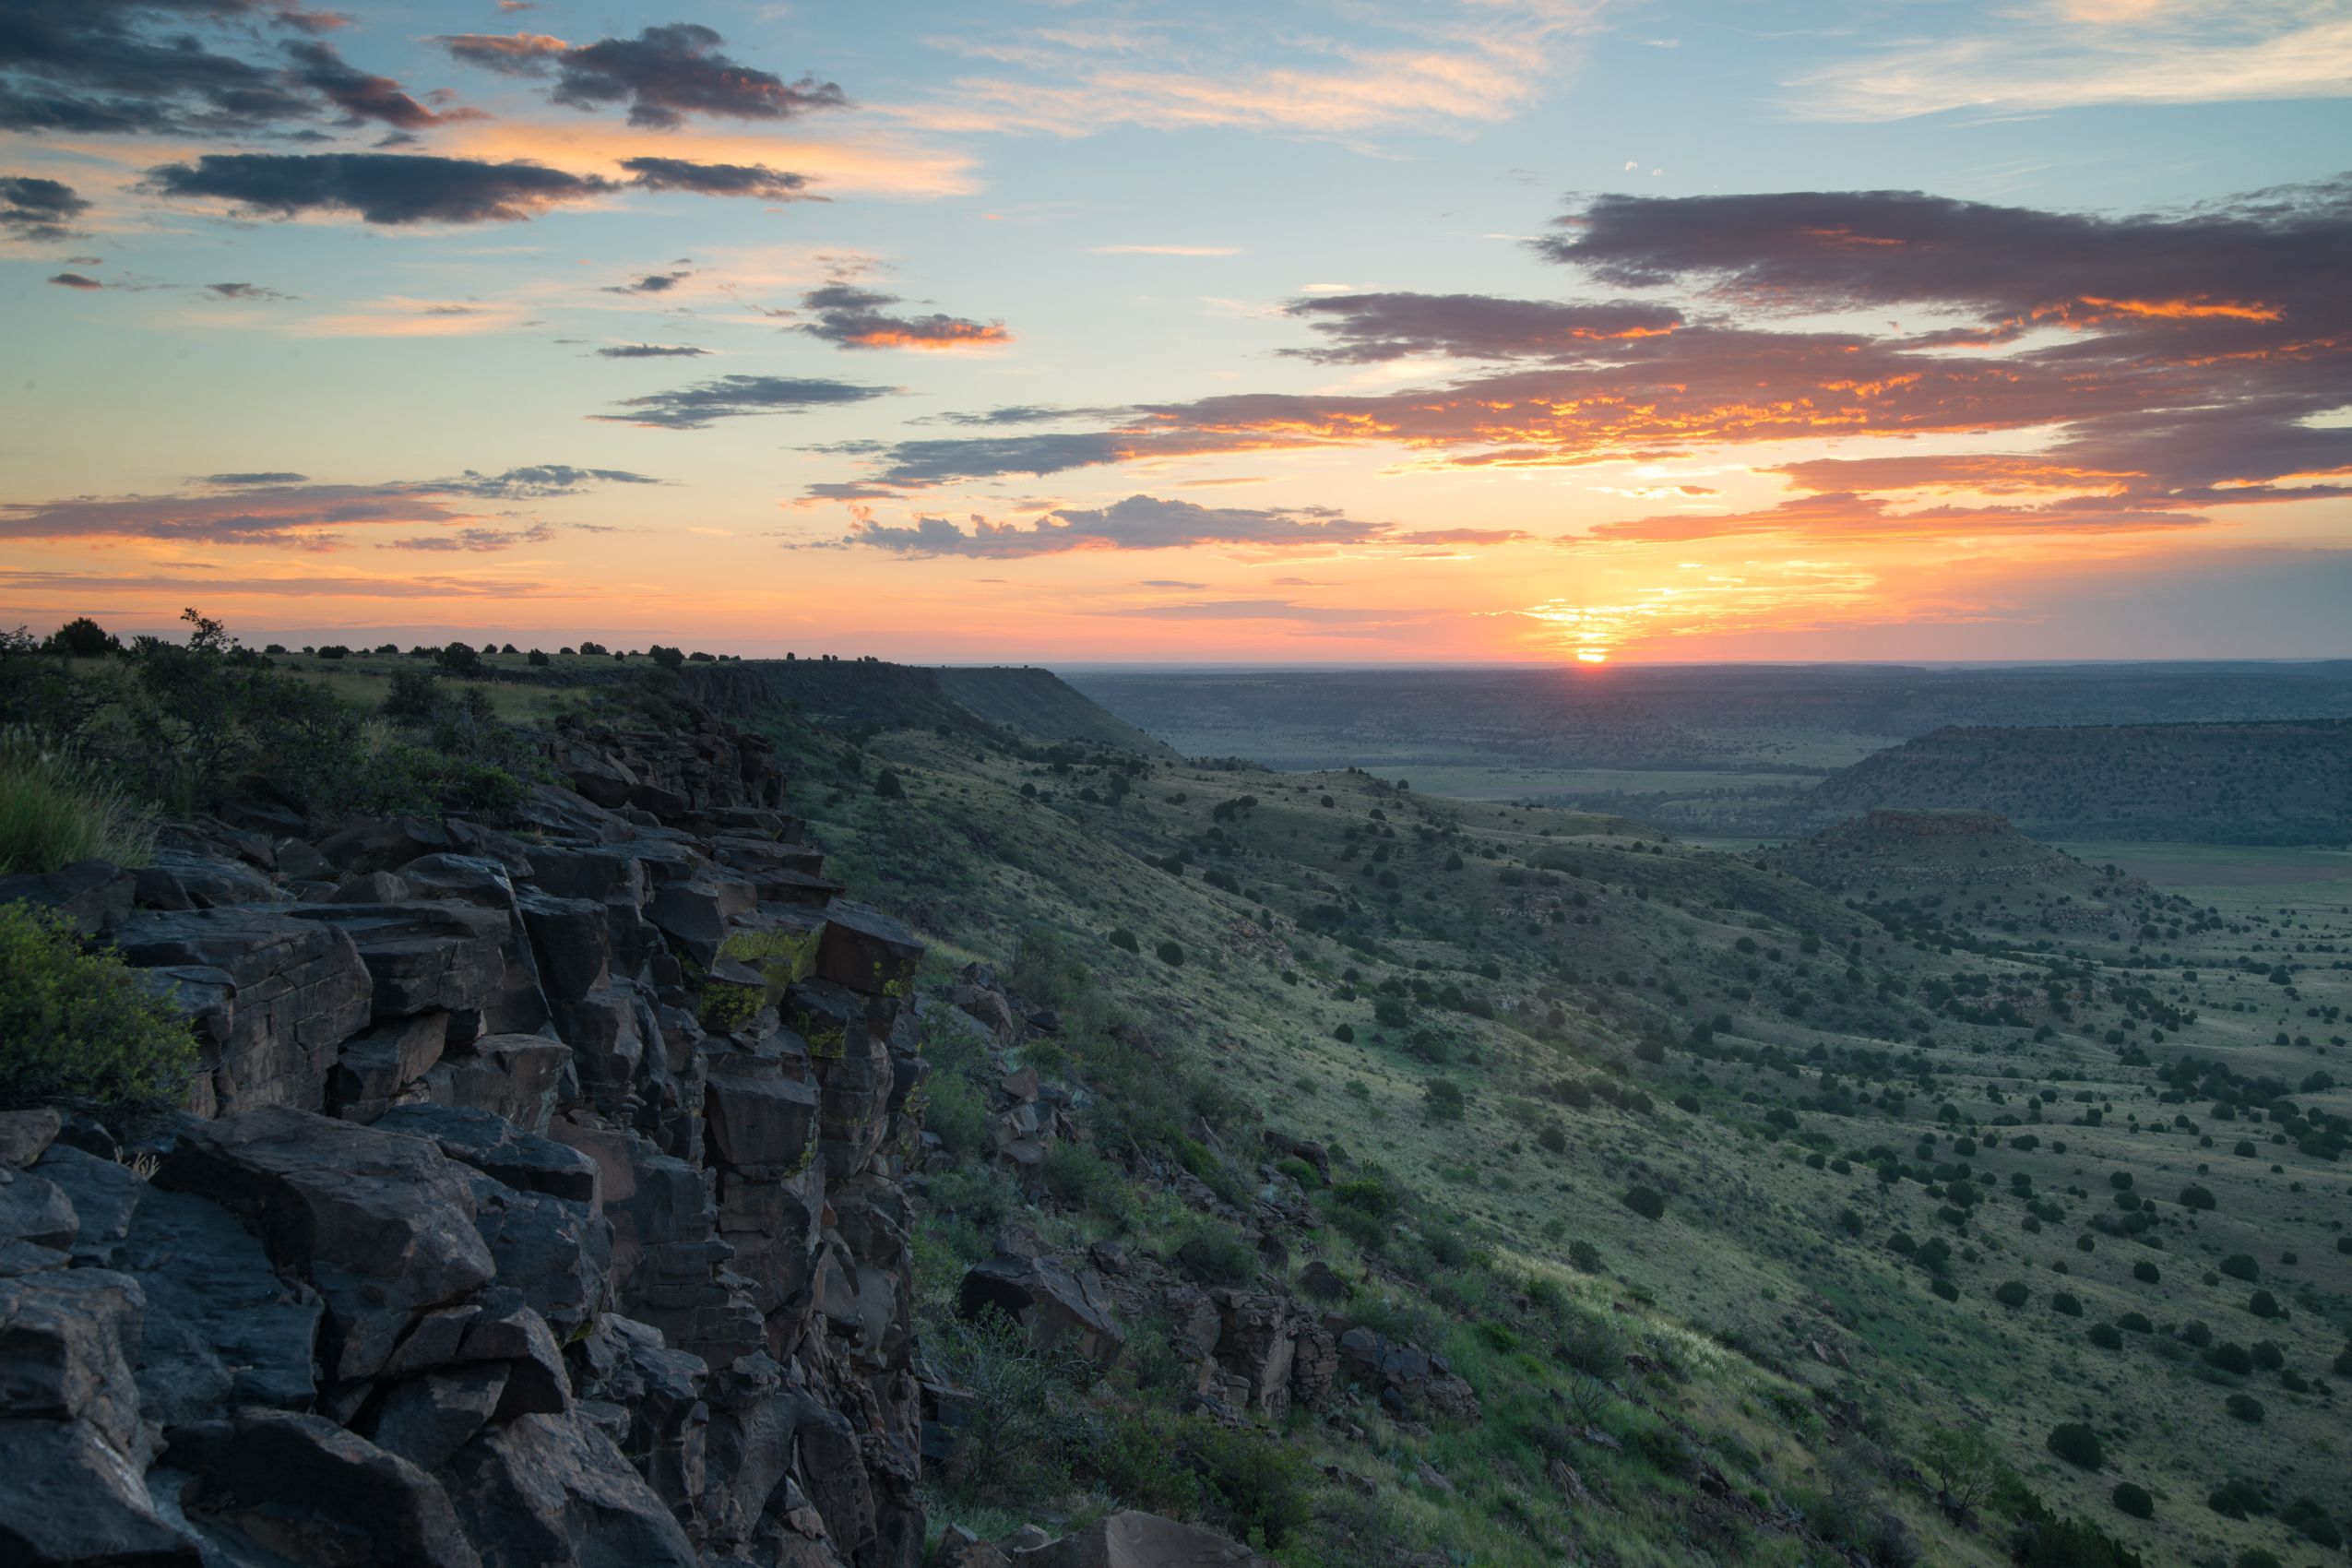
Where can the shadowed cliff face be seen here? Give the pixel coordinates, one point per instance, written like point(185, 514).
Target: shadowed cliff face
point(537, 1200)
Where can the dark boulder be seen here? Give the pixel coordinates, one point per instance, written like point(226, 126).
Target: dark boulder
point(867, 951)
point(312, 1493)
point(1059, 1308)
point(552, 1491)
point(381, 1226)
point(94, 896)
point(274, 997)
point(498, 1149)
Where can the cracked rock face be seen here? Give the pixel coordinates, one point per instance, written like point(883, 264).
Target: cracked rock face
point(481, 1241)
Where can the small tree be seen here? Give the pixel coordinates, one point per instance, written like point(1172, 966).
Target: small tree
point(1965, 1462)
point(1648, 1202)
point(82, 637)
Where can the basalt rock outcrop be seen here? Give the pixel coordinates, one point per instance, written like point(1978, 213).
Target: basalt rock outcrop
point(538, 1201)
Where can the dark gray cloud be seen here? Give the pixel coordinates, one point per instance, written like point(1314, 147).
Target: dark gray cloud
point(849, 317)
point(383, 187)
point(286, 508)
point(649, 351)
point(535, 481)
point(1139, 522)
point(178, 67)
point(359, 94)
point(757, 180)
point(1027, 413)
point(731, 397)
point(477, 540)
point(75, 280)
point(651, 283)
point(38, 209)
point(664, 74)
point(917, 464)
point(2280, 251)
point(244, 291)
point(1364, 328)
point(2178, 364)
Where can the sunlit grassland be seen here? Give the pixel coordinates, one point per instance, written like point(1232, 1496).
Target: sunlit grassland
point(1751, 1252)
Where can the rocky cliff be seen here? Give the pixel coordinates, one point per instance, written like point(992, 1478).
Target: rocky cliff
point(538, 1201)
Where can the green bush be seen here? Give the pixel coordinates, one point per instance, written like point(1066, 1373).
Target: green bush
point(2312, 1520)
point(2146, 1273)
point(78, 1026)
point(2237, 1499)
point(1260, 1487)
point(2241, 1266)
point(56, 810)
point(1216, 1254)
point(2078, 1445)
point(1082, 1178)
point(2135, 1501)
point(1648, 1202)
point(2244, 1408)
point(1171, 953)
point(1023, 1430)
point(1124, 939)
point(2012, 1294)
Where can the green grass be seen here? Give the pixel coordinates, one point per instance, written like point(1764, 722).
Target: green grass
point(56, 810)
point(1749, 1270)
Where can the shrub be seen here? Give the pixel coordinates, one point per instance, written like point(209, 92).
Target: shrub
point(78, 1026)
point(2135, 1501)
point(957, 1114)
point(1648, 1202)
point(1022, 1434)
point(2232, 1358)
point(1260, 1486)
point(1216, 1254)
point(1345, 1034)
point(2012, 1294)
point(2078, 1445)
point(1171, 952)
point(1443, 1100)
point(2194, 1196)
point(1080, 1177)
point(1124, 939)
point(56, 810)
point(2146, 1273)
point(2256, 1557)
point(2312, 1520)
point(2262, 1303)
point(888, 787)
point(2066, 1303)
point(2244, 1408)
point(2239, 1266)
point(2235, 1500)
point(1553, 1138)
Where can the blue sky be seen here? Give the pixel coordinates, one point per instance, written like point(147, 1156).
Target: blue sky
point(1124, 330)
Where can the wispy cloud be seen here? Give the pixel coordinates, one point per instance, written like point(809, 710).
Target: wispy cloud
point(2070, 54)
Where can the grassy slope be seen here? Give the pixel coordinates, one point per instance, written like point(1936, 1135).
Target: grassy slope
point(1750, 1253)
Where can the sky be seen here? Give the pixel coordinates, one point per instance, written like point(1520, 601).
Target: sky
point(1119, 330)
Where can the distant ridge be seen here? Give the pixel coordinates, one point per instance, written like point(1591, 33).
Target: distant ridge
point(868, 694)
point(2282, 782)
